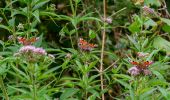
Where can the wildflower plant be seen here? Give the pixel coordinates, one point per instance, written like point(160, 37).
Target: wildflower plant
point(31, 54)
point(32, 63)
point(140, 66)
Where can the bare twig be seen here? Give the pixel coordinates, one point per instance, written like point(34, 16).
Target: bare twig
point(111, 65)
point(102, 50)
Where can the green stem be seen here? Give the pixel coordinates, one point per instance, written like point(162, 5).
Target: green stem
point(72, 8)
point(33, 81)
point(3, 88)
point(29, 11)
point(34, 88)
point(71, 41)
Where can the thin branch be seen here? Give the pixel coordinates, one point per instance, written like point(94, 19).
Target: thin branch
point(102, 50)
point(111, 65)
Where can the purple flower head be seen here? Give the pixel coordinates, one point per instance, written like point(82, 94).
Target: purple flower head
point(40, 51)
point(142, 54)
point(32, 49)
point(134, 71)
point(148, 11)
point(147, 72)
point(27, 49)
point(33, 54)
point(108, 20)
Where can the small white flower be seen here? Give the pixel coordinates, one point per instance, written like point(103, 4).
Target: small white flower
point(20, 26)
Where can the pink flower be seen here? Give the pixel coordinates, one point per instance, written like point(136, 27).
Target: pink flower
point(147, 72)
point(40, 51)
point(108, 20)
point(148, 11)
point(32, 49)
point(134, 71)
point(27, 49)
point(33, 54)
point(142, 54)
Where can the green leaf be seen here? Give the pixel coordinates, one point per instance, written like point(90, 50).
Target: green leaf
point(17, 12)
point(77, 1)
point(166, 28)
point(165, 20)
point(40, 4)
point(72, 32)
point(123, 76)
point(164, 92)
point(5, 27)
point(22, 90)
point(92, 34)
point(145, 43)
point(11, 22)
point(156, 82)
point(134, 42)
point(159, 75)
point(150, 22)
point(132, 95)
point(45, 13)
point(153, 2)
point(20, 72)
point(91, 65)
point(3, 68)
point(92, 97)
point(68, 93)
point(161, 43)
point(147, 93)
point(36, 15)
point(65, 64)
point(135, 27)
point(125, 84)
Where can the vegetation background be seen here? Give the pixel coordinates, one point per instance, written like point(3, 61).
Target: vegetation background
point(84, 49)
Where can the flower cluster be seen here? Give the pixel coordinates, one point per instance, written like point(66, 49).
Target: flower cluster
point(33, 54)
point(134, 71)
point(148, 11)
point(107, 20)
point(142, 54)
point(20, 26)
point(32, 49)
point(140, 66)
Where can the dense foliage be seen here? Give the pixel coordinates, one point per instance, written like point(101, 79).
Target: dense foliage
point(84, 49)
